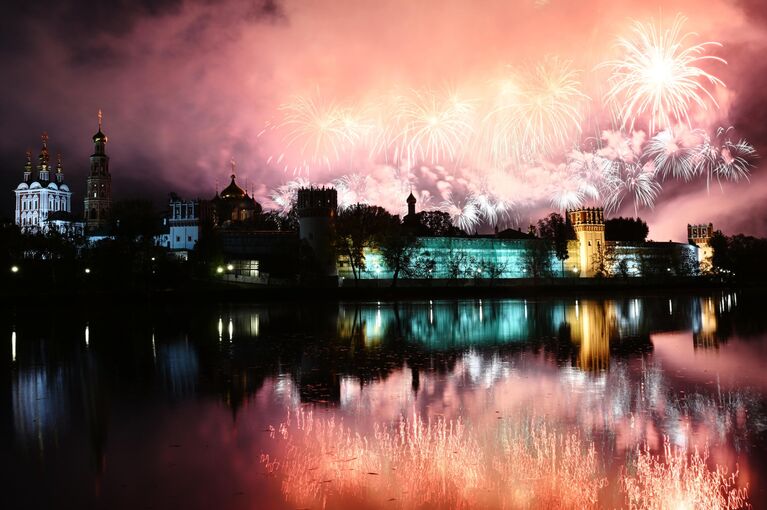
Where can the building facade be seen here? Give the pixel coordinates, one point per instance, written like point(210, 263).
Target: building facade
point(43, 199)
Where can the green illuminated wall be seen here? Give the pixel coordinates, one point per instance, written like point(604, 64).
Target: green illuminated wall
point(480, 257)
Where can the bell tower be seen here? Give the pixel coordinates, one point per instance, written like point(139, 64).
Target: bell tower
point(98, 197)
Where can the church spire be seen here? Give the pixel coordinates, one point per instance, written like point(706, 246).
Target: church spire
point(59, 168)
point(44, 159)
point(28, 167)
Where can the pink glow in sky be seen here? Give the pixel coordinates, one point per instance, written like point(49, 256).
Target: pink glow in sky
point(187, 85)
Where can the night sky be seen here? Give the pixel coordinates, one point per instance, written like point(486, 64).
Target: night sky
point(185, 86)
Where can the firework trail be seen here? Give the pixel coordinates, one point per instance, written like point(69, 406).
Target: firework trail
point(722, 158)
point(286, 195)
point(352, 189)
point(320, 131)
point(434, 129)
point(625, 179)
point(535, 112)
point(659, 76)
point(463, 213)
point(672, 152)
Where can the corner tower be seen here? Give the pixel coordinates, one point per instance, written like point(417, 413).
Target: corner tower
point(589, 226)
point(700, 236)
point(316, 220)
point(98, 197)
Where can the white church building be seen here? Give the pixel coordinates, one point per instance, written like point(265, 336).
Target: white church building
point(43, 199)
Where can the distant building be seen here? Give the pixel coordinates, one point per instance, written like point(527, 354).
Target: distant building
point(98, 194)
point(43, 199)
point(182, 225)
point(233, 205)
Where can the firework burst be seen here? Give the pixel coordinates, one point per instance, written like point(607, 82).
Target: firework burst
point(463, 213)
point(320, 132)
point(434, 129)
point(535, 112)
point(721, 158)
point(658, 76)
point(672, 152)
point(625, 179)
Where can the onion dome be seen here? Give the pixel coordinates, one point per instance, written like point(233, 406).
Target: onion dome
point(99, 136)
point(233, 191)
point(411, 199)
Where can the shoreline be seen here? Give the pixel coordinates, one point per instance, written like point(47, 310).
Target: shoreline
point(375, 290)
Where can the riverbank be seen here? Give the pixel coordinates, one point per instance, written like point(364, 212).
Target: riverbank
point(378, 290)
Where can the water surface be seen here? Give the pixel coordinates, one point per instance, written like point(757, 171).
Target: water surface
point(428, 404)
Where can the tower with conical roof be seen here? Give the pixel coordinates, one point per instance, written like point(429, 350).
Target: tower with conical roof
point(98, 198)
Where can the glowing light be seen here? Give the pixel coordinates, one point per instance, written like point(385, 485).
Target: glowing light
point(87, 270)
point(229, 267)
point(14, 269)
point(220, 269)
point(87, 335)
point(13, 345)
point(220, 329)
point(230, 329)
point(658, 76)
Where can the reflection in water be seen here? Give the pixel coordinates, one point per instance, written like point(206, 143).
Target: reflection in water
point(179, 368)
point(39, 406)
point(509, 385)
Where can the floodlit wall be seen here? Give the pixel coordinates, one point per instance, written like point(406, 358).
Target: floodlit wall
point(491, 258)
point(462, 257)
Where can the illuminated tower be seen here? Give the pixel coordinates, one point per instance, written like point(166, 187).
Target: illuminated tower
point(316, 220)
point(98, 197)
point(700, 235)
point(589, 226)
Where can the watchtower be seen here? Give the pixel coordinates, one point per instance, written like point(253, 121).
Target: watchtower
point(700, 236)
point(589, 226)
point(316, 209)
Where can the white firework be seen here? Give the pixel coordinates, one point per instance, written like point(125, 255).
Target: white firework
point(463, 213)
point(672, 153)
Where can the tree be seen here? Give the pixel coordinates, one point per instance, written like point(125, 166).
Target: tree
point(437, 224)
point(358, 227)
point(603, 260)
point(554, 228)
point(720, 259)
point(626, 229)
point(423, 267)
point(456, 263)
point(398, 247)
point(536, 261)
point(493, 268)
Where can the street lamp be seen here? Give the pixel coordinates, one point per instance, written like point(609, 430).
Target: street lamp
point(14, 269)
point(229, 267)
point(220, 269)
point(87, 270)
